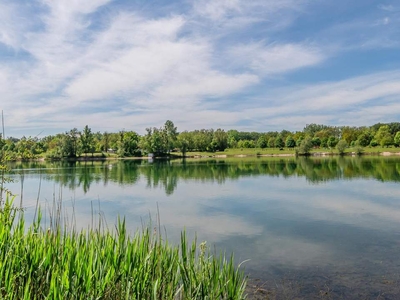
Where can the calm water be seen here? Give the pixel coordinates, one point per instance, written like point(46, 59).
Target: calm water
point(311, 228)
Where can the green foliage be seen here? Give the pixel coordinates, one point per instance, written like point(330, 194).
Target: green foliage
point(129, 144)
point(341, 146)
point(220, 140)
point(350, 134)
point(299, 140)
point(69, 143)
point(246, 144)
point(316, 142)
point(170, 134)
point(290, 142)
point(3, 178)
point(373, 143)
point(99, 264)
point(397, 139)
point(305, 146)
point(279, 143)
point(262, 142)
point(165, 139)
point(312, 129)
point(332, 142)
point(86, 139)
point(271, 142)
point(153, 141)
point(324, 142)
point(358, 149)
point(364, 139)
point(383, 136)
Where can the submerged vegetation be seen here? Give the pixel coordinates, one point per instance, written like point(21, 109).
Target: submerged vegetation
point(99, 264)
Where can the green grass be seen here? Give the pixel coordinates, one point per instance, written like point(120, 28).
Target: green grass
point(244, 151)
point(276, 151)
point(100, 264)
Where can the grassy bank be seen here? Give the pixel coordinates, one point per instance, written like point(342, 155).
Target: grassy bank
point(288, 151)
point(97, 264)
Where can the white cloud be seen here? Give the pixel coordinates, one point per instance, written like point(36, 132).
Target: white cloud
point(390, 8)
point(217, 9)
point(71, 59)
point(355, 101)
point(275, 58)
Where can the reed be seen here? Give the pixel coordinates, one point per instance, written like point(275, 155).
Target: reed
point(101, 264)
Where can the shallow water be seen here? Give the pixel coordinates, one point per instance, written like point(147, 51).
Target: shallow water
point(309, 228)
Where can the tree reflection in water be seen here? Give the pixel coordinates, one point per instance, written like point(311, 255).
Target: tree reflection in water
point(166, 174)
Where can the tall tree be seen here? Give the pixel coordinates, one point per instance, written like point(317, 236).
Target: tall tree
point(290, 142)
point(220, 139)
point(87, 141)
point(279, 143)
point(170, 135)
point(129, 144)
point(397, 139)
point(383, 136)
point(69, 143)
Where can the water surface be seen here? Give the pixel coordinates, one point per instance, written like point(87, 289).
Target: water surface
point(326, 227)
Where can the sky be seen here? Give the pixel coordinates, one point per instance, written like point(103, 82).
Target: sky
point(252, 65)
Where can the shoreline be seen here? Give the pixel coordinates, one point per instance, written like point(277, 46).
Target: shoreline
point(213, 155)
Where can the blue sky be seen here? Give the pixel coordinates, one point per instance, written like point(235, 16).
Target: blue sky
point(246, 64)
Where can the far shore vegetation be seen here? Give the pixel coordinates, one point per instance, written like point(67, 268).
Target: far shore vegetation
point(166, 141)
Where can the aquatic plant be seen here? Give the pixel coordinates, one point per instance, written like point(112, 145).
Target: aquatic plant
point(61, 263)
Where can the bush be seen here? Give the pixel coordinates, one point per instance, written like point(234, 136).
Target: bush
point(305, 147)
point(341, 146)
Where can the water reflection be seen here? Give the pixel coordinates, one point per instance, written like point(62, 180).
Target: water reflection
point(326, 222)
point(167, 174)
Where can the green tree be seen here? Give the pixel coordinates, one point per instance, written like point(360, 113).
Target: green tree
point(341, 146)
point(397, 139)
point(220, 139)
point(373, 143)
point(305, 146)
point(158, 141)
point(279, 143)
point(350, 134)
point(69, 143)
point(383, 136)
point(105, 141)
point(299, 140)
point(284, 134)
point(87, 141)
point(246, 144)
point(145, 141)
point(187, 137)
point(311, 129)
point(316, 142)
point(262, 142)
point(233, 138)
point(290, 142)
point(324, 142)
point(364, 139)
point(271, 142)
point(202, 139)
point(332, 142)
point(183, 142)
point(129, 145)
point(170, 134)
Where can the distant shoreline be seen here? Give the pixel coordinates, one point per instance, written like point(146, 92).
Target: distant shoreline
point(213, 155)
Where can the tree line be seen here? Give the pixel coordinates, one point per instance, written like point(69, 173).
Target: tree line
point(166, 139)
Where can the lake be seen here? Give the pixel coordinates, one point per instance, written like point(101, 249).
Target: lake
point(307, 228)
